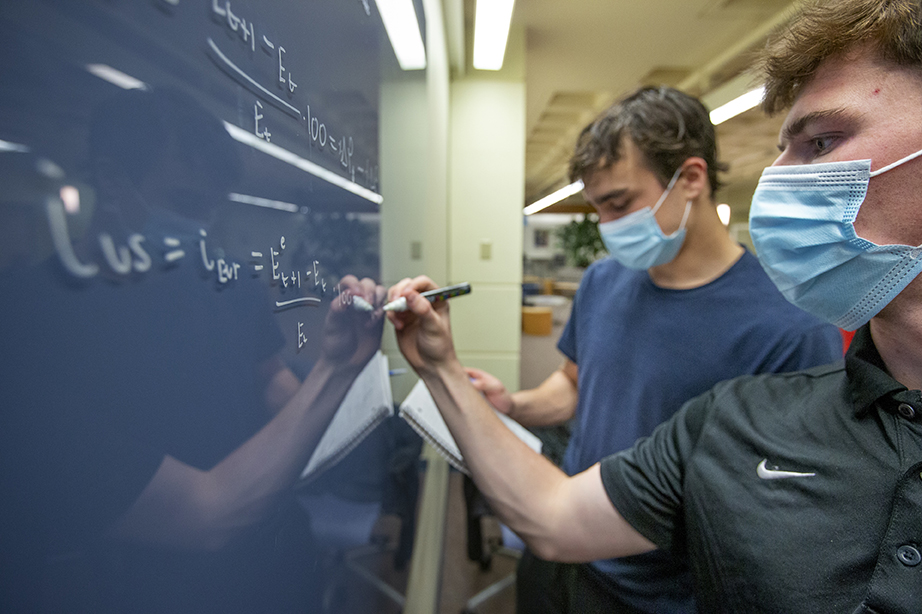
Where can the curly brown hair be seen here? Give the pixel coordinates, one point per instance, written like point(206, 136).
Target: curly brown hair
point(666, 125)
point(830, 28)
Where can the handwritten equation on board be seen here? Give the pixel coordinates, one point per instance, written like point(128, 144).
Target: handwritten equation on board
point(320, 135)
point(291, 278)
point(135, 257)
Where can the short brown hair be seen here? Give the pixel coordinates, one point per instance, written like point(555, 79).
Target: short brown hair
point(830, 28)
point(666, 125)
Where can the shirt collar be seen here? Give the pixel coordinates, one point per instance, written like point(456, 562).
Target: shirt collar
point(868, 378)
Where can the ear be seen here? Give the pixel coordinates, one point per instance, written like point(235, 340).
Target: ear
point(694, 182)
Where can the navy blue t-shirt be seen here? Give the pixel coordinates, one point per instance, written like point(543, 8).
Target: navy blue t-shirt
point(642, 351)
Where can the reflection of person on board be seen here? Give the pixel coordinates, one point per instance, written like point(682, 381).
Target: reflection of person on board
point(150, 430)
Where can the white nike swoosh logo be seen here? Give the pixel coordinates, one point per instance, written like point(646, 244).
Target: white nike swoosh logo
point(773, 474)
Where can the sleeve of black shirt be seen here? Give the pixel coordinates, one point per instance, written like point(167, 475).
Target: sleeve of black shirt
point(645, 483)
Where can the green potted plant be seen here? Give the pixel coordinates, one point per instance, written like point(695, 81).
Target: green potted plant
point(581, 241)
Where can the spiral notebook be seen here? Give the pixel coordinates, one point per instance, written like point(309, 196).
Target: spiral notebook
point(367, 403)
point(421, 412)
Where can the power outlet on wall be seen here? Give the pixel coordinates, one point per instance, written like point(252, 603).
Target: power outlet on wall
point(486, 249)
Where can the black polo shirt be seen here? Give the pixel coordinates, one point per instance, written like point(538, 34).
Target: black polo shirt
point(791, 493)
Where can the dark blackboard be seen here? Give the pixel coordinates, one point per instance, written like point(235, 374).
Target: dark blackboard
point(185, 186)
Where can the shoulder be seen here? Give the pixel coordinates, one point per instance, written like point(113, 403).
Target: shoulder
point(753, 407)
point(768, 305)
point(602, 266)
point(747, 270)
point(749, 385)
point(769, 394)
point(749, 398)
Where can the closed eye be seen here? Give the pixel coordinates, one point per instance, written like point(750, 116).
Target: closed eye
point(616, 204)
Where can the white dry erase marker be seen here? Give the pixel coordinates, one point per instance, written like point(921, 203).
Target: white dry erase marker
point(439, 294)
point(360, 304)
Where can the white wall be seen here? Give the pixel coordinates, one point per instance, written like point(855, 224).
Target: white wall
point(487, 190)
point(453, 177)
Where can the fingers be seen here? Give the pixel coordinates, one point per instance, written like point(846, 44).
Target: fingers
point(407, 285)
point(396, 290)
point(380, 295)
point(476, 378)
point(416, 305)
point(393, 293)
point(479, 378)
point(366, 288)
point(361, 295)
point(372, 296)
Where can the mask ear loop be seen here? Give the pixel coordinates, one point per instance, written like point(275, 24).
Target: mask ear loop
point(916, 251)
point(685, 215)
point(684, 219)
point(669, 187)
point(897, 163)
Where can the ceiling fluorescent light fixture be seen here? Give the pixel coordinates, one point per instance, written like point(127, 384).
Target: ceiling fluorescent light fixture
point(737, 105)
point(8, 146)
point(116, 77)
point(399, 17)
point(491, 30)
point(554, 197)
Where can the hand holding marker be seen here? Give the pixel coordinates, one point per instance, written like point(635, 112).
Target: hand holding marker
point(439, 294)
point(360, 304)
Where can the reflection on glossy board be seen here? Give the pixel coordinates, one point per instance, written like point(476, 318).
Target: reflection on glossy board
point(190, 201)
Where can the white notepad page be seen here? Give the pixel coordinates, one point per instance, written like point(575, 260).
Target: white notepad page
point(368, 402)
point(421, 412)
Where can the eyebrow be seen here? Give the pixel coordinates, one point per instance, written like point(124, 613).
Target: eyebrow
point(797, 127)
point(616, 193)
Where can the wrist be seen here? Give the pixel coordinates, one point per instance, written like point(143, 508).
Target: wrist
point(336, 369)
point(444, 370)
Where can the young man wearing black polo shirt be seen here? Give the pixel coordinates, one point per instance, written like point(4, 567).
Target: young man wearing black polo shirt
point(786, 493)
point(677, 307)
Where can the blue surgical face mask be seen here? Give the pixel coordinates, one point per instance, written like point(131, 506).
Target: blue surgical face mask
point(802, 226)
point(637, 241)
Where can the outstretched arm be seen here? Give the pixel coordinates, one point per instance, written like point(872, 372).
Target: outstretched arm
point(560, 517)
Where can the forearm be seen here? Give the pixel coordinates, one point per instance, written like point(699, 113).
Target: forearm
point(551, 403)
point(271, 461)
point(549, 510)
point(559, 517)
point(183, 507)
point(280, 388)
point(506, 471)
